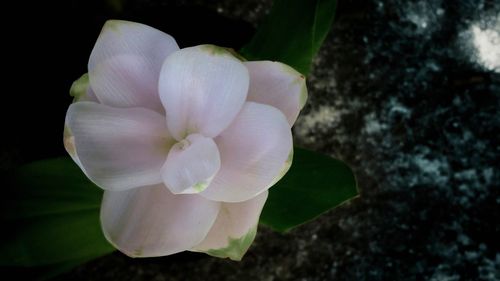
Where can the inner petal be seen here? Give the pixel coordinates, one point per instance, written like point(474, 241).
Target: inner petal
point(191, 165)
point(202, 89)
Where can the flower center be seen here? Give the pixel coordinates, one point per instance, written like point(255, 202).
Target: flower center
point(184, 144)
point(191, 164)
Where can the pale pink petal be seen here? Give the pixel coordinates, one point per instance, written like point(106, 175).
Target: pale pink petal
point(253, 150)
point(119, 148)
point(126, 81)
point(279, 85)
point(125, 64)
point(80, 91)
point(90, 96)
point(151, 221)
point(234, 229)
point(69, 145)
point(191, 165)
point(202, 89)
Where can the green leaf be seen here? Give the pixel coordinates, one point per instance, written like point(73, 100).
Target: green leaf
point(314, 184)
point(49, 187)
point(51, 216)
point(292, 33)
point(43, 272)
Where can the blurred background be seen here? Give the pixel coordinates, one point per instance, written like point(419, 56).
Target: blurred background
point(406, 92)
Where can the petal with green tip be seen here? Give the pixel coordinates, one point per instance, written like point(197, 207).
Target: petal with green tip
point(80, 90)
point(234, 229)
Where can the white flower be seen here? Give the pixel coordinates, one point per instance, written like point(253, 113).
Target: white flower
point(185, 142)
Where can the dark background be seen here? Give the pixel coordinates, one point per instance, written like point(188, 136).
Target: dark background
point(397, 91)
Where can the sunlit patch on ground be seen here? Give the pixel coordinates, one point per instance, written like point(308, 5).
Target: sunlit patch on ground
point(486, 41)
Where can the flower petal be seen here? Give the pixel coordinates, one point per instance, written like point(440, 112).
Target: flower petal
point(119, 148)
point(125, 64)
point(151, 221)
point(69, 145)
point(279, 85)
point(253, 150)
point(191, 165)
point(80, 90)
point(202, 89)
point(234, 230)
